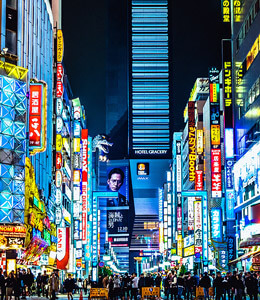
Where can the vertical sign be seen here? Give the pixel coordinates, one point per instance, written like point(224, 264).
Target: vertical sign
point(179, 220)
point(197, 228)
point(95, 232)
point(227, 83)
point(216, 224)
point(191, 213)
point(192, 140)
point(89, 208)
point(84, 138)
point(199, 182)
point(231, 248)
point(216, 178)
point(63, 247)
point(161, 234)
point(178, 167)
point(226, 11)
point(37, 118)
point(60, 46)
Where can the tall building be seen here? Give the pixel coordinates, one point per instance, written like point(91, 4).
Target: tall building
point(149, 80)
point(26, 135)
point(244, 97)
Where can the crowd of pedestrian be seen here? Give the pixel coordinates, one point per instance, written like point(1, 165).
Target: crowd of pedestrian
point(230, 286)
point(22, 283)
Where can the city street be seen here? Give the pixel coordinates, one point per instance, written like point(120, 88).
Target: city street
point(130, 148)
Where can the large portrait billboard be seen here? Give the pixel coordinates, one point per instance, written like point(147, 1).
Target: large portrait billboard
point(117, 181)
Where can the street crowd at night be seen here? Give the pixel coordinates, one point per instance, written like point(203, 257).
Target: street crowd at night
point(130, 149)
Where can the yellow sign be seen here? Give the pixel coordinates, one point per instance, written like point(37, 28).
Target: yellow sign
point(150, 292)
point(215, 135)
point(76, 144)
point(161, 244)
point(237, 10)
point(228, 83)
point(179, 245)
point(199, 141)
point(189, 251)
point(98, 293)
point(76, 176)
point(58, 142)
point(213, 92)
point(60, 46)
point(226, 11)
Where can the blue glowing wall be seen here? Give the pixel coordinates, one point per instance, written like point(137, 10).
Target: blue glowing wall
point(12, 149)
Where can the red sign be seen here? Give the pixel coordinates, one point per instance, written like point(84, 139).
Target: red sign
point(59, 89)
point(216, 185)
point(179, 219)
point(58, 160)
point(216, 160)
point(63, 247)
point(35, 122)
point(60, 72)
point(216, 180)
point(199, 180)
point(84, 137)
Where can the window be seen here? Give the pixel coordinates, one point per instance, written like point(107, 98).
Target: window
point(10, 41)
point(12, 4)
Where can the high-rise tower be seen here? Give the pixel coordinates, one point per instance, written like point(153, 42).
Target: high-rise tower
point(149, 97)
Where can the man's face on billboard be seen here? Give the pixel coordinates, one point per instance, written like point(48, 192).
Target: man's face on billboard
point(115, 182)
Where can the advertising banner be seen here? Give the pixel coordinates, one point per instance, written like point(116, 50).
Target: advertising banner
point(37, 118)
point(178, 167)
point(216, 224)
point(63, 247)
point(117, 181)
point(191, 213)
point(60, 46)
point(198, 227)
point(179, 220)
point(192, 140)
point(84, 193)
point(199, 182)
point(117, 221)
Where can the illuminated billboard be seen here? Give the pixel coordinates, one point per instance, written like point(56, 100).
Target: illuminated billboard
point(216, 177)
point(117, 221)
point(60, 46)
point(63, 247)
point(117, 181)
point(216, 224)
point(84, 139)
point(37, 118)
point(192, 140)
point(198, 227)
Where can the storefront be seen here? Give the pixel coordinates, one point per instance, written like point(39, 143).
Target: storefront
point(247, 196)
point(12, 240)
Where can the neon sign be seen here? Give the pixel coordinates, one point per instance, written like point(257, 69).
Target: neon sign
point(37, 118)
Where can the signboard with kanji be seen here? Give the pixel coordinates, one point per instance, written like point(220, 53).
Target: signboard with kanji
point(37, 118)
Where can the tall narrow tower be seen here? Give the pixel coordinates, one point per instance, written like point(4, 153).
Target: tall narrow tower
point(149, 107)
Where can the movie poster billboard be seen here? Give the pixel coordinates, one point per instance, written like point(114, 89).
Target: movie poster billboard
point(118, 207)
point(117, 181)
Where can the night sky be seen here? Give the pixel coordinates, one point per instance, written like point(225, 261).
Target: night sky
point(197, 34)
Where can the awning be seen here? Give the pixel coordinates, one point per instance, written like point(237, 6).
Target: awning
point(254, 241)
point(245, 256)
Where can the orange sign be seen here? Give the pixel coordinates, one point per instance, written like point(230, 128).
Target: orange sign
point(10, 230)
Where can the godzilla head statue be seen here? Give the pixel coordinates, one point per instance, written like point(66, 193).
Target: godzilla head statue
point(100, 142)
